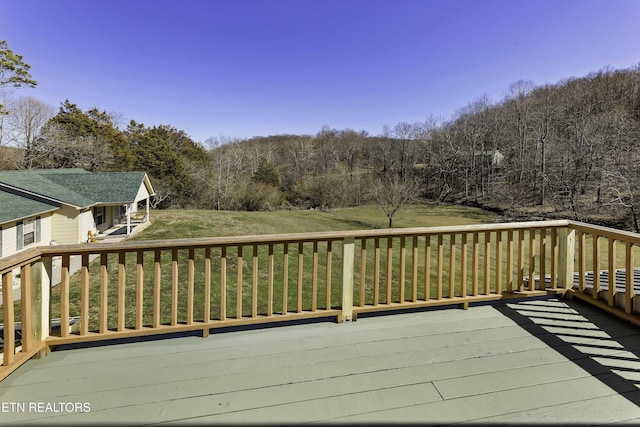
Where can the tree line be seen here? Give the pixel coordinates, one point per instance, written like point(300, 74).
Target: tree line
point(569, 149)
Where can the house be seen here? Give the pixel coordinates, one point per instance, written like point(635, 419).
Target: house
point(494, 157)
point(68, 206)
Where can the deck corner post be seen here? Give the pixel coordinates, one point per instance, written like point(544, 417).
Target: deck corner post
point(41, 273)
point(348, 260)
point(566, 257)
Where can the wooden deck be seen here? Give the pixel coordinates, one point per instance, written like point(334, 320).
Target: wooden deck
point(535, 361)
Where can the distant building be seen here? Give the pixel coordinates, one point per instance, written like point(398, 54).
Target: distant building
point(68, 206)
point(495, 156)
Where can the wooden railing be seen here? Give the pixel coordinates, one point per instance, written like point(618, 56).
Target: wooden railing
point(156, 287)
point(607, 269)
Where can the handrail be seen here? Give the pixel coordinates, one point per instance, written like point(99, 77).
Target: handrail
point(136, 288)
point(294, 237)
point(605, 231)
point(19, 259)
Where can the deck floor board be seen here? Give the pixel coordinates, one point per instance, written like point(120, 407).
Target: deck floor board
point(532, 361)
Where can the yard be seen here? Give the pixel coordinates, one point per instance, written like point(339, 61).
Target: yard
point(179, 224)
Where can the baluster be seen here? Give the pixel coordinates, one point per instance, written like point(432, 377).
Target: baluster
point(223, 283)
point(190, 284)
point(174, 287)
point(314, 278)
point(207, 286)
point(270, 282)
point(328, 278)
point(84, 295)
point(452, 265)
point(121, 289)
point(300, 274)
point(612, 271)
point(239, 284)
point(157, 278)
point(427, 268)
point(474, 265)
point(543, 257)
point(64, 296)
point(414, 270)
point(403, 256)
point(9, 338)
point(596, 266)
point(254, 283)
point(25, 305)
point(463, 266)
point(376, 271)
point(439, 267)
point(285, 278)
point(363, 268)
point(139, 289)
point(629, 265)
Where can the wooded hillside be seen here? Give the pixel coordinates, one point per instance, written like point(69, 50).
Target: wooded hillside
point(570, 149)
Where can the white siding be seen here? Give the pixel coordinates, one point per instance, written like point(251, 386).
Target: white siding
point(65, 226)
point(9, 235)
point(143, 193)
point(71, 226)
point(8, 239)
point(86, 223)
point(46, 232)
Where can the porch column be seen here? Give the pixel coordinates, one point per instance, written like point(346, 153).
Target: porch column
point(128, 220)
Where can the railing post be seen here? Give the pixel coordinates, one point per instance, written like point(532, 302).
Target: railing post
point(348, 260)
point(8, 342)
point(41, 273)
point(566, 257)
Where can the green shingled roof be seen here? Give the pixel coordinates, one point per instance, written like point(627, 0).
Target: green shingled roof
point(14, 207)
point(77, 187)
point(41, 184)
point(102, 187)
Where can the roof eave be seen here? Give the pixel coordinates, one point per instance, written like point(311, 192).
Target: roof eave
point(20, 191)
point(29, 216)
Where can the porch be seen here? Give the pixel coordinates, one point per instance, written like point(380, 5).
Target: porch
point(122, 225)
point(533, 361)
point(122, 230)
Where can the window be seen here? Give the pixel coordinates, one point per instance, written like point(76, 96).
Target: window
point(99, 214)
point(28, 232)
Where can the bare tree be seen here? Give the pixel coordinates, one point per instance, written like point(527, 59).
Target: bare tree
point(519, 99)
point(474, 128)
point(222, 151)
point(55, 148)
point(26, 119)
point(623, 193)
point(405, 133)
point(545, 113)
point(391, 193)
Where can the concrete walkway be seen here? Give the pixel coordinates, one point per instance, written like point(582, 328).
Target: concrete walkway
point(75, 262)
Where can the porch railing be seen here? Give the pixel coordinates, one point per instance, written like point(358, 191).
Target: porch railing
point(142, 288)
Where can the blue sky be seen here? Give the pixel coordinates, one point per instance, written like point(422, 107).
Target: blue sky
point(243, 68)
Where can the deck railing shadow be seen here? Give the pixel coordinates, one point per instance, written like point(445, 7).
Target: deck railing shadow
point(604, 346)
